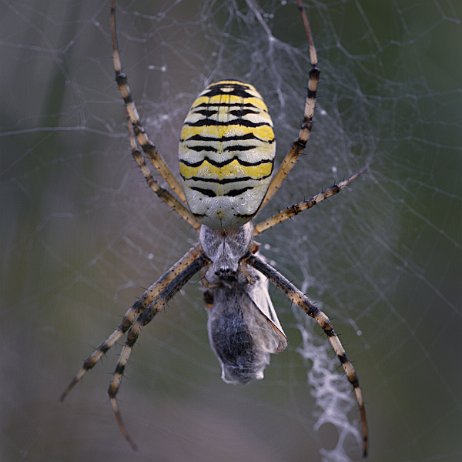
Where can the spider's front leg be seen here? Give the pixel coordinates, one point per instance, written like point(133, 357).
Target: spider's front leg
point(142, 138)
point(300, 299)
point(162, 193)
point(304, 134)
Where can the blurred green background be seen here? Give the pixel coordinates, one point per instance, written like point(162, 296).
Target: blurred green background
point(81, 235)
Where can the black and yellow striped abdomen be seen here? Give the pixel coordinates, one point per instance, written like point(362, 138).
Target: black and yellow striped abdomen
point(226, 153)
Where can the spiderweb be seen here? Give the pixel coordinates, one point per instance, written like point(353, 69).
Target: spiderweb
point(82, 235)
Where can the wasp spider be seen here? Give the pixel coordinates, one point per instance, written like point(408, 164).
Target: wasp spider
point(226, 151)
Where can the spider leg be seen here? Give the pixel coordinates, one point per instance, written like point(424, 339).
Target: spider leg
point(143, 140)
point(146, 317)
point(300, 299)
point(295, 209)
point(116, 381)
point(305, 130)
point(162, 193)
point(133, 313)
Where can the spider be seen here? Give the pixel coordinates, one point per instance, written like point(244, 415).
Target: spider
point(226, 152)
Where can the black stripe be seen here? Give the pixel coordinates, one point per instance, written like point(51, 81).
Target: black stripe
point(88, 364)
point(225, 162)
point(212, 122)
point(119, 369)
point(104, 347)
point(237, 90)
point(122, 82)
point(224, 180)
point(218, 91)
point(201, 147)
point(311, 94)
point(207, 147)
point(242, 112)
point(207, 105)
point(224, 139)
point(314, 73)
point(204, 112)
point(239, 147)
point(131, 339)
point(329, 331)
point(205, 192)
point(237, 192)
point(121, 78)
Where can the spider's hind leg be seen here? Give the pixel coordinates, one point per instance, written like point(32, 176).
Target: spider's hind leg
point(192, 263)
point(116, 381)
point(134, 312)
point(300, 299)
point(129, 318)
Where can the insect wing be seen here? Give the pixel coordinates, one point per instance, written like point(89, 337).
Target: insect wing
point(263, 305)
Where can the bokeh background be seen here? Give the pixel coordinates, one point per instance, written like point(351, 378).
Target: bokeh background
point(81, 234)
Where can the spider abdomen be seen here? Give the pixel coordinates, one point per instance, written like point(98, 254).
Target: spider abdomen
point(226, 153)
